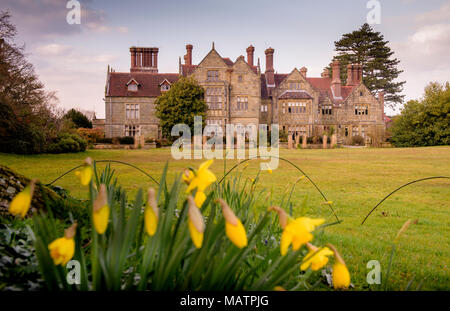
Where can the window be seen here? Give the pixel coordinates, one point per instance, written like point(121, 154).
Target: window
point(361, 93)
point(132, 111)
point(132, 87)
point(165, 87)
point(294, 85)
point(355, 131)
point(326, 110)
point(214, 122)
point(212, 75)
point(361, 109)
point(240, 78)
point(132, 130)
point(214, 97)
point(346, 131)
point(263, 108)
point(242, 103)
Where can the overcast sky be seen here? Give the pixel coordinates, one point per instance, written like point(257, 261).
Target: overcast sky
point(73, 59)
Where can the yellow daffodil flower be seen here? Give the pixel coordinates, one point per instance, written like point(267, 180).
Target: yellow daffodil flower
point(340, 275)
point(85, 173)
point(196, 223)
point(279, 289)
point(63, 249)
point(269, 170)
point(233, 226)
point(316, 258)
point(20, 204)
point(203, 177)
point(295, 231)
point(101, 210)
point(151, 213)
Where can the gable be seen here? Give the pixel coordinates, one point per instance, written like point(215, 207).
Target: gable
point(212, 59)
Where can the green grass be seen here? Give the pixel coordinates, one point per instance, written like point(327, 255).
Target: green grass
point(354, 179)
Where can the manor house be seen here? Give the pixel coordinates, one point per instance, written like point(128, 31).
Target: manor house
point(239, 92)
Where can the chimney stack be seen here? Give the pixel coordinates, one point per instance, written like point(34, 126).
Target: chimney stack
point(270, 77)
point(188, 58)
point(250, 50)
point(359, 72)
point(350, 81)
point(303, 71)
point(336, 79)
point(144, 59)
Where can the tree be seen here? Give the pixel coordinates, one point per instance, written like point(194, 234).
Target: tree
point(424, 122)
point(180, 104)
point(78, 119)
point(367, 47)
point(30, 117)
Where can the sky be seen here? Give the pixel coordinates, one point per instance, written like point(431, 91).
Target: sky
point(72, 59)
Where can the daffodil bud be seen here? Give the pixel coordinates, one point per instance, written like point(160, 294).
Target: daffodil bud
point(282, 215)
point(63, 249)
point(196, 223)
point(70, 232)
point(101, 210)
point(151, 213)
point(233, 226)
point(21, 203)
point(340, 276)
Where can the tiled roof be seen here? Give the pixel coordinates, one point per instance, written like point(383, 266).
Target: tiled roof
point(149, 83)
point(279, 77)
point(295, 94)
point(228, 61)
point(186, 70)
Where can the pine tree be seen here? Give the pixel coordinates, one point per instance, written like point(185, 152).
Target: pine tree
point(367, 47)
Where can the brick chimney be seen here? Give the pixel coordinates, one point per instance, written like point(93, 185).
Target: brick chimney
point(350, 74)
point(269, 67)
point(250, 50)
point(188, 58)
point(358, 69)
point(336, 79)
point(303, 71)
point(144, 59)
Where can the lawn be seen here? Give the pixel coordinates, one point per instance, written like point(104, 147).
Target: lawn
point(354, 179)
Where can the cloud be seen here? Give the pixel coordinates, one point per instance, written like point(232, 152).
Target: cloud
point(440, 15)
point(53, 49)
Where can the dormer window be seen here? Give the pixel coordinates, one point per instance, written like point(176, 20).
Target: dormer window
point(132, 85)
point(165, 85)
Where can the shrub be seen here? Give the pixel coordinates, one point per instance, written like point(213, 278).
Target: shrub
point(91, 135)
point(67, 143)
point(126, 140)
point(358, 141)
point(105, 140)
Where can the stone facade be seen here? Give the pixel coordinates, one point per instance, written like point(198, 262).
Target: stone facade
point(239, 93)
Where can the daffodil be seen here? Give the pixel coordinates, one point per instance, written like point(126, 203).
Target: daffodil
point(196, 223)
point(295, 231)
point(199, 180)
point(233, 226)
point(151, 213)
point(340, 275)
point(85, 173)
point(269, 170)
point(101, 210)
point(279, 289)
point(316, 258)
point(203, 177)
point(20, 204)
point(63, 249)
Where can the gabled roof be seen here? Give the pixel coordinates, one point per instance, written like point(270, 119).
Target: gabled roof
point(149, 83)
point(132, 80)
point(228, 61)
